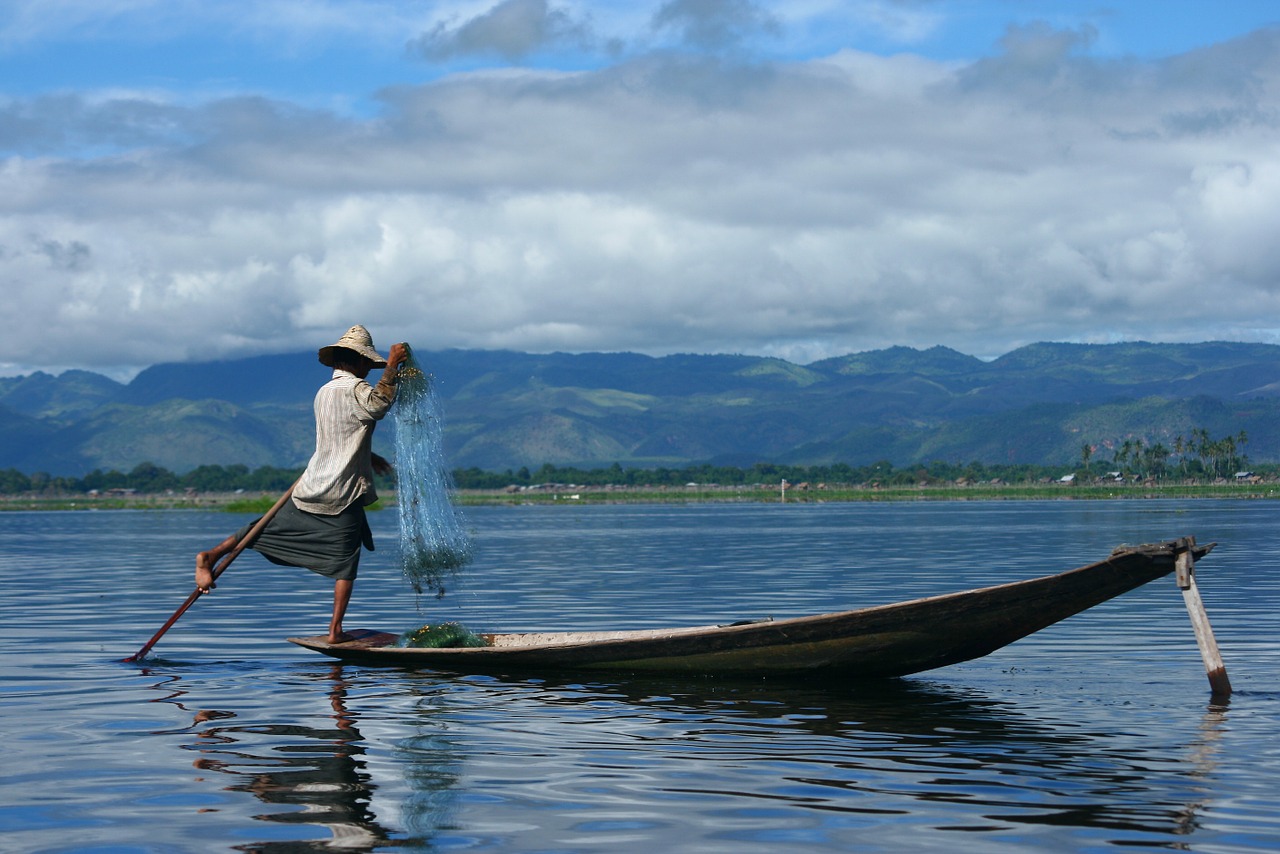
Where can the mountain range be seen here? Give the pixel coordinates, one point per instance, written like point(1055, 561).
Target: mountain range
point(1039, 404)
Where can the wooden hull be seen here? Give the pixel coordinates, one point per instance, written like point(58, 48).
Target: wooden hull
point(881, 641)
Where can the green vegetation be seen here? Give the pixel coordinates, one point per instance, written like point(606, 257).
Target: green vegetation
point(1201, 454)
point(149, 478)
point(1200, 466)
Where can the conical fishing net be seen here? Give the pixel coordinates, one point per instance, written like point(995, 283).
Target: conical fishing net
point(433, 540)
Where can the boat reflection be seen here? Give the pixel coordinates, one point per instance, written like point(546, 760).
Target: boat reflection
point(887, 752)
point(875, 748)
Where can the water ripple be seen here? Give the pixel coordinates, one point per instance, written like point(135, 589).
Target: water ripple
point(1095, 733)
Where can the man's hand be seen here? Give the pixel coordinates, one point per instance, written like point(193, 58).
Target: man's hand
point(398, 353)
point(381, 466)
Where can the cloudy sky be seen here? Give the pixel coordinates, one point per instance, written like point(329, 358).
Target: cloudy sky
point(196, 179)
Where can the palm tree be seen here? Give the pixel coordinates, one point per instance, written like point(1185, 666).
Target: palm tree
point(1122, 455)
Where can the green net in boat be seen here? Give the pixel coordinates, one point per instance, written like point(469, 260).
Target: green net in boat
point(441, 635)
point(434, 543)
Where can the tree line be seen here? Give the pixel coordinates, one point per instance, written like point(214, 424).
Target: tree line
point(152, 479)
point(1198, 457)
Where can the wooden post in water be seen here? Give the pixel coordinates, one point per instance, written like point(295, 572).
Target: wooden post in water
point(1185, 570)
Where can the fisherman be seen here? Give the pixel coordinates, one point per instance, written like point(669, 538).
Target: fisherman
point(323, 526)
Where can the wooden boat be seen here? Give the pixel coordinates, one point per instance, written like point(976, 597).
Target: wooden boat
point(879, 641)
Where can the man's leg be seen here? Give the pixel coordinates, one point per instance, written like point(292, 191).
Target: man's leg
point(205, 562)
point(341, 596)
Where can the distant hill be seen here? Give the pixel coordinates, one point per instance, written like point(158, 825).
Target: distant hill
point(1039, 404)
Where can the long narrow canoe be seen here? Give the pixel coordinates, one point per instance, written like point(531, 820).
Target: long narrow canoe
point(880, 641)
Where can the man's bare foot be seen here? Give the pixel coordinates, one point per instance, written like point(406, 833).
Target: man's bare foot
point(339, 637)
point(204, 572)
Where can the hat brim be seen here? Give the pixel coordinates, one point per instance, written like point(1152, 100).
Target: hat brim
point(326, 355)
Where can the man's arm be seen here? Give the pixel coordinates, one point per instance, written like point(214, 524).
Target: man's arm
point(375, 401)
point(386, 387)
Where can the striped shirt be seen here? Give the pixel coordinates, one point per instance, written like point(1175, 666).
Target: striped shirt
point(340, 472)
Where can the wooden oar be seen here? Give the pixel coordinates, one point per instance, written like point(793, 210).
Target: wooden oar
point(245, 542)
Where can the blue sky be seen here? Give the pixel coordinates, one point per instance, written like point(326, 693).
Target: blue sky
point(341, 52)
point(189, 180)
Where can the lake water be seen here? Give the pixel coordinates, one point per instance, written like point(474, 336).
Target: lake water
point(1097, 733)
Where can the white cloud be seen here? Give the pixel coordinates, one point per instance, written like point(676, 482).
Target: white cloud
point(513, 29)
point(665, 203)
point(715, 24)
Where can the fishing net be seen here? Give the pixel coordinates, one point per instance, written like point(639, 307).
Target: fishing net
point(441, 635)
point(434, 543)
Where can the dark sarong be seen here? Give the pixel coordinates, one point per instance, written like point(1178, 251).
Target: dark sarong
point(329, 545)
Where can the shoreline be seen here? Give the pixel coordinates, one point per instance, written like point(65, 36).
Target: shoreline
point(568, 494)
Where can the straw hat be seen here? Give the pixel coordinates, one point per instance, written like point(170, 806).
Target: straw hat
point(358, 340)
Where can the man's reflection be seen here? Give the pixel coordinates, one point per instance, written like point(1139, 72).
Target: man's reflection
point(318, 773)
